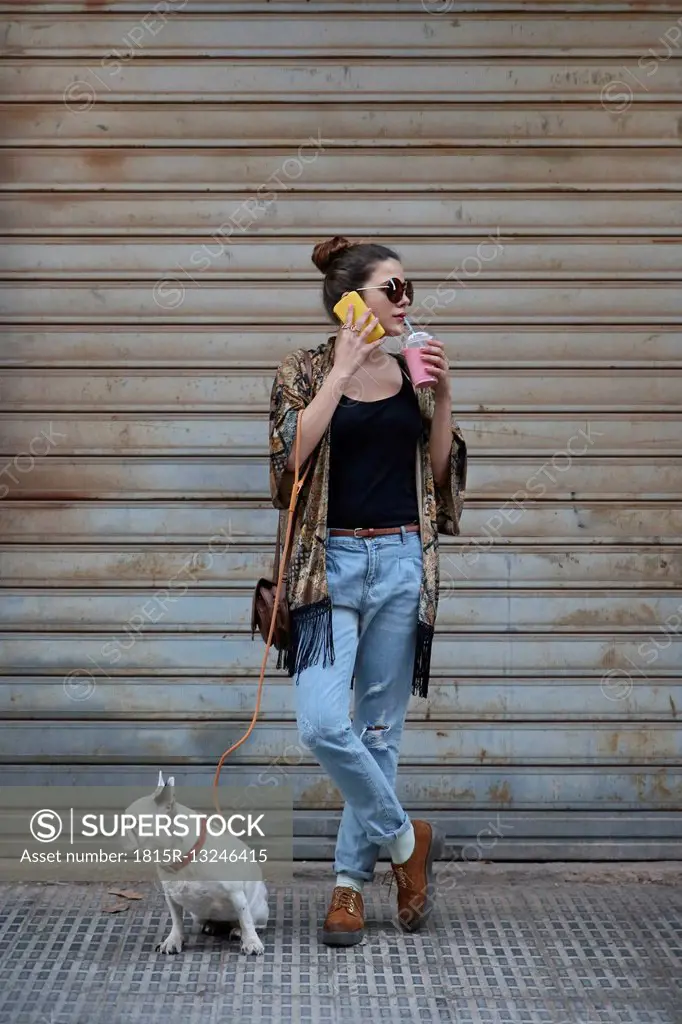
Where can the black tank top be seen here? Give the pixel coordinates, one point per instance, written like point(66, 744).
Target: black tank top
point(372, 461)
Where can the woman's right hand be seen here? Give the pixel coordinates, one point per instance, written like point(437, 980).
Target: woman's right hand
point(351, 348)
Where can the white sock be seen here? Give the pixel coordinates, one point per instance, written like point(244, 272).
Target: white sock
point(350, 883)
point(401, 849)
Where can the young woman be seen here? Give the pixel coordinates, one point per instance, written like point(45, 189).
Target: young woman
point(388, 474)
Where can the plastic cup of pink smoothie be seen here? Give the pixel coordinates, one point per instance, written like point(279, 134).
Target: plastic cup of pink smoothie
point(413, 352)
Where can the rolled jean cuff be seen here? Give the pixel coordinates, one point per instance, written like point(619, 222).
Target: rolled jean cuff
point(368, 876)
point(357, 873)
point(389, 837)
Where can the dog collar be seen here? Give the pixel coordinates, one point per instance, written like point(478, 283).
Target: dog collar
point(178, 865)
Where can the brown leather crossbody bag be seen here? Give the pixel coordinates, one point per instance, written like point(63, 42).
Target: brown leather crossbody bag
point(269, 598)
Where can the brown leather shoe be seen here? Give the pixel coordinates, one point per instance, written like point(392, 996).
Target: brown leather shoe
point(415, 877)
point(344, 924)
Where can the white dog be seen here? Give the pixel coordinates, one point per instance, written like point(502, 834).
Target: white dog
point(240, 907)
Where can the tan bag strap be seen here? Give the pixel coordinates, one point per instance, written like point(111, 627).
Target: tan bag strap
point(279, 573)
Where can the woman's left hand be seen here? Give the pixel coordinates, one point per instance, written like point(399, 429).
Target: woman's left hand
point(436, 360)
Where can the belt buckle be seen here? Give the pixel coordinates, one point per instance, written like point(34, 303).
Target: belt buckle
point(355, 531)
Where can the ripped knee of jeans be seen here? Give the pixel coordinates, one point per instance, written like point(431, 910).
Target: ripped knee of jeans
point(306, 732)
point(374, 735)
point(323, 732)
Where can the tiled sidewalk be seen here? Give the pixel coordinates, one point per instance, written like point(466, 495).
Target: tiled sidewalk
point(551, 944)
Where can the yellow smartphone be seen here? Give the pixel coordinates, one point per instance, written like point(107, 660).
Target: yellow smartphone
point(359, 307)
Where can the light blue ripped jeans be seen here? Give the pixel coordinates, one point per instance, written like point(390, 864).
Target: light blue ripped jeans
point(374, 588)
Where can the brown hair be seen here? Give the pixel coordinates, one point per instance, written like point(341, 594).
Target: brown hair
point(346, 266)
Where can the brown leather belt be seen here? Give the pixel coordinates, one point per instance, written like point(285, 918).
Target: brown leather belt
point(370, 531)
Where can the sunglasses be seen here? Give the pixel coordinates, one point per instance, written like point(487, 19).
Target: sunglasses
point(394, 289)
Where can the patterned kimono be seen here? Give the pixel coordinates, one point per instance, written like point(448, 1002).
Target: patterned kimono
point(307, 594)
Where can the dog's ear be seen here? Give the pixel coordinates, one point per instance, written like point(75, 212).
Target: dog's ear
point(159, 787)
point(165, 794)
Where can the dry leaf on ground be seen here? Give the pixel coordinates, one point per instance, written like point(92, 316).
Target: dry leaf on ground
point(127, 894)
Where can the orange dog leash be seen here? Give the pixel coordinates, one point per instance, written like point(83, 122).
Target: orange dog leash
point(298, 484)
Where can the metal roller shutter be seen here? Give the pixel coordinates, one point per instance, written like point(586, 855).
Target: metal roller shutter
point(138, 353)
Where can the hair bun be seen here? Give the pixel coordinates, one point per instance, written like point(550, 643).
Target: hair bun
point(326, 252)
